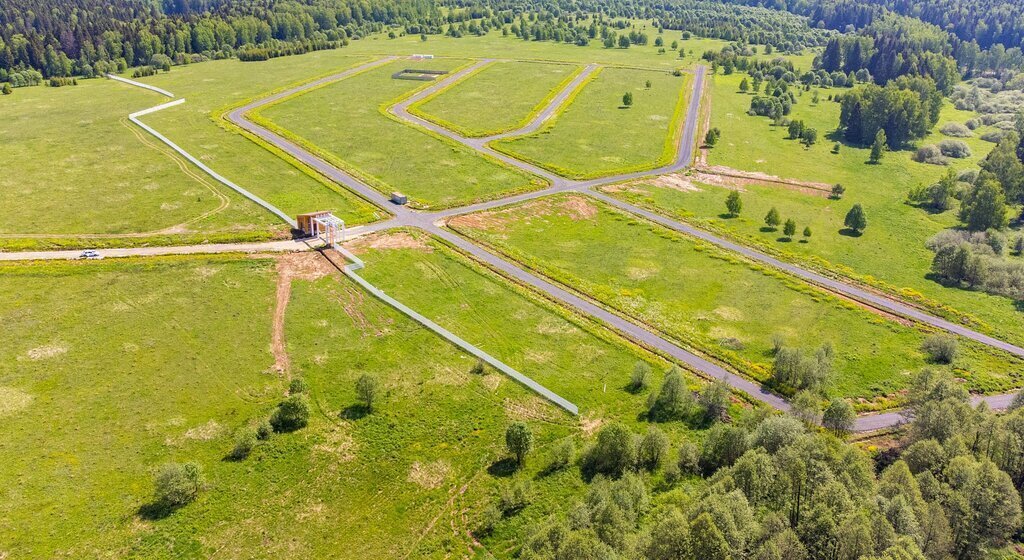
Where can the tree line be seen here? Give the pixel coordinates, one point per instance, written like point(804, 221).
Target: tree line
point(83, 37)
point(781, 487)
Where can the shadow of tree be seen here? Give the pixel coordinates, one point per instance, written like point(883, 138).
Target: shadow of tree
point(156, 510)
point(354, 412)
point(502, 468)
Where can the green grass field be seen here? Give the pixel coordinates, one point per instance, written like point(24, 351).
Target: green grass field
point(891, 251)
point(153, 201)
point(84, 169)
point(345, 122)
point(75, 486)
point(87, 412)
point(494, 45)
point(714, 301)
point(212, 87)
point(500, 97)
point(596, 135)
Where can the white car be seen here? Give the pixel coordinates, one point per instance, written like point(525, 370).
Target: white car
point(90, 254)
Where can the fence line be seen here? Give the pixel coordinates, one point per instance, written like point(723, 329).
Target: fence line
point(357, 264)
point(141, 85)
point(348, 270)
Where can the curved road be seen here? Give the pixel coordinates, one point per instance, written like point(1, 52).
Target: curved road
point(429, 221)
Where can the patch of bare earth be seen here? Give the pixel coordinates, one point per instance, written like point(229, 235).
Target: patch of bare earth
point(572, 206)
point(429, 475)
point(590, 424)
point(387, 240)
point(723, 176)
point(338, 443)
point(533, 408)
point(13, 400)
point(290, 266)
point(45, 352)
point(206, 432)
point(675, 181)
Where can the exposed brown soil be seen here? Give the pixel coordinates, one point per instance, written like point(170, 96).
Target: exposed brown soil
point(387, 240)
point(728, 177)
point(303, 266)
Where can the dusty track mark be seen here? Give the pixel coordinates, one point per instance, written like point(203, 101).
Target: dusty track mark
point(387, 240)
point(302, 266)
point(728, 177)
point(444, 510)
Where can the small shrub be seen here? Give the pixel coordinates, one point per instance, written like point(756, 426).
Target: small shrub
point(291, 414)
point(489, 519)
point(563, 455)
point(652, 449)
point(519, 441)
point(178, 484)
point(778, 343)
point(264, 430)
point(672, 473)
point(731, 343)
point(956, 130)
point(994, 136)
point(298, 385)
point(967, 176)
point(689, 458)
point(955, 149)
point(940, 348)
point(641, 378)
point(245, 441)
point(930, 154)
point(367, 389)
point(478, 368)
point(973, 124)
point(515, 496)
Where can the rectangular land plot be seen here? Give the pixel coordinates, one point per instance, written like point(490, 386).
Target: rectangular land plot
point(75, 165)
point(714, 301)
point(892, 249)
point(501, 97)
point(345, 123)
point(211, 87)
point(587, 365)
point(596, 135)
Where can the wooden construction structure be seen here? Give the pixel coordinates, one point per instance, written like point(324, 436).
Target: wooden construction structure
point(322, 224)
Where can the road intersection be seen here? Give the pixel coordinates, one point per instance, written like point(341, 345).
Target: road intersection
point(433, 224)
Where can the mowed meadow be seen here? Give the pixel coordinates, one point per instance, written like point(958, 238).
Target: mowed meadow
point(891, 251)
point(82, 168)
point(598, 134)
point(501, 97)
point(345, 122)
point(717, 302)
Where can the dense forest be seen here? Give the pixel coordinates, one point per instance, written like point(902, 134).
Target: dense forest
point(88, 37)
point(984, 22)
point(778, 488)
point(85, 37)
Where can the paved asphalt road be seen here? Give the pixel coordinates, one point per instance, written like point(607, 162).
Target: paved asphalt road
point(429, 221)
point(432, 222)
